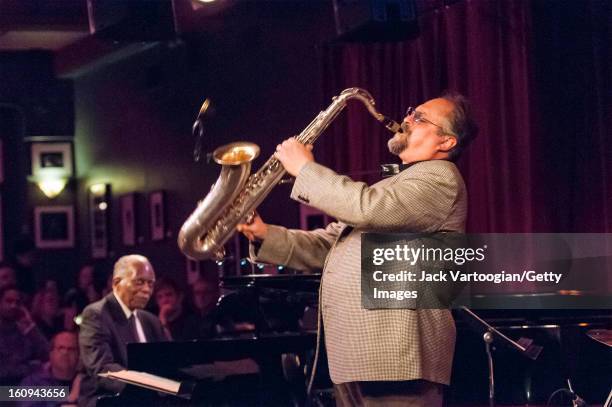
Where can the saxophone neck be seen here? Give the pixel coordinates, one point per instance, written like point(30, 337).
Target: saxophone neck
point(366, 98)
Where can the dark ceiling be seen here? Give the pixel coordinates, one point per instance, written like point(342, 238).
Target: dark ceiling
point(82, 33)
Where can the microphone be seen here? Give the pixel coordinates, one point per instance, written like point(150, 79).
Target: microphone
point(206, 110)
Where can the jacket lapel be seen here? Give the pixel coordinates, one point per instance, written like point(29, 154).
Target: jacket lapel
point(121, 324)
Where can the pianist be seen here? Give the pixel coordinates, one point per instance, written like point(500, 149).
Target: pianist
point(110, 324)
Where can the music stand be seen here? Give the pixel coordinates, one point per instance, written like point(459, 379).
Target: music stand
point(524, 346)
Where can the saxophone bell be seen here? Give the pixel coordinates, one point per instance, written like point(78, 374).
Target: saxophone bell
point(199, 236)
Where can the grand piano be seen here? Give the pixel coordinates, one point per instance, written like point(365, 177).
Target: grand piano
point(266, 366)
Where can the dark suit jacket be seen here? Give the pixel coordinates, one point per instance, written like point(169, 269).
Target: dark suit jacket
point(103, 338)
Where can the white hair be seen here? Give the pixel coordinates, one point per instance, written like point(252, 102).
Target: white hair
point(125, 265)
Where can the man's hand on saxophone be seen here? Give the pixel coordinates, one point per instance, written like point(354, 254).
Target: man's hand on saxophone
point(256, 230)
point(293, 155)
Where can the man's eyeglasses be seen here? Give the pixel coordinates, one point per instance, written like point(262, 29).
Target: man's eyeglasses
point(417, 117)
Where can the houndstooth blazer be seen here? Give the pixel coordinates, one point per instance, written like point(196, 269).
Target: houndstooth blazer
point(373, 345)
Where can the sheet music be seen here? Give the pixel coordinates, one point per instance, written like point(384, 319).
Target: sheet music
point(145, 380)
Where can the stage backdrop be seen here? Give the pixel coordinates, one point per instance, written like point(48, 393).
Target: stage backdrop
point(541, 161)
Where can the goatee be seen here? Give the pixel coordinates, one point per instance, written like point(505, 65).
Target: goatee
point(398, 143)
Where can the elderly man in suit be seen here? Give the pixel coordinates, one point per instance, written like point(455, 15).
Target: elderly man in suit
point(380, 357)
point(110, 324)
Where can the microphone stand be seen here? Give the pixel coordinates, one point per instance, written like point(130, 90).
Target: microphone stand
point(524, 346)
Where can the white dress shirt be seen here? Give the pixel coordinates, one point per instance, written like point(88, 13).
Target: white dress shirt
point(128, 313)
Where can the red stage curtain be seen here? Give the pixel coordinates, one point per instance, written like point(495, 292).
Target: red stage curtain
point(483, 49)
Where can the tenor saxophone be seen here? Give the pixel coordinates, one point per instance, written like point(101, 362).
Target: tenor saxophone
point(235, 195)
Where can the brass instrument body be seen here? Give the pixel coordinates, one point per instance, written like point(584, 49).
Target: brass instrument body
point(236, 195)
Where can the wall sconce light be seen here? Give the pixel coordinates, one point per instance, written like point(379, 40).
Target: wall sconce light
point(52, 187)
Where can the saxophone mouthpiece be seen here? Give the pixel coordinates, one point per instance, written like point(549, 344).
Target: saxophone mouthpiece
point(391, 125)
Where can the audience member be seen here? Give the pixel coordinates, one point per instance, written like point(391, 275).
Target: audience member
point(22, 345)
point(61, 370)
point(47, 313)
point(204, 297)
point(24, 253)
point(7, 275)
point(110, 324)
point(177, 322)
point(85, 291)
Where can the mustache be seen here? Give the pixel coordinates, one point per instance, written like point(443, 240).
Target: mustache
point(406, 129)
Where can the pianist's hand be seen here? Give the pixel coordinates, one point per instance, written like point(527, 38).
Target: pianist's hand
point(256, 230)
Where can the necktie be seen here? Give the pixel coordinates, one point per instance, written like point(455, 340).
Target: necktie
point(136, 328)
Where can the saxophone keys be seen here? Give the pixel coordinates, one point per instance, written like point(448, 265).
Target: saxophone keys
point(220, 254)
point(250, 217)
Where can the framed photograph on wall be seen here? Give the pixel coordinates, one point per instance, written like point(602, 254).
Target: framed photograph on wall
point(157, 215)
point(128, 219)
point(99, 201)
point(54, 227)
point(52, 157)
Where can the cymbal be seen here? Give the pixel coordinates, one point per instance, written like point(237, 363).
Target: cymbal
point(601, 335)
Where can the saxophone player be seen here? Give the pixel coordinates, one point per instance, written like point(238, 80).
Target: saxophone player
point(382, 357)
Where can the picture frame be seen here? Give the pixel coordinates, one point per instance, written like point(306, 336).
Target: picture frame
point(99, 214)
point(128, 219)
point(54, 227)
point(52, 157)
point(157, 215)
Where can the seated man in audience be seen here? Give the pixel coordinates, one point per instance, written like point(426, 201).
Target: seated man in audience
point(178, 324)
point(61, 370)
point(110, 324)
point(204, 298)
point(22, 346)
